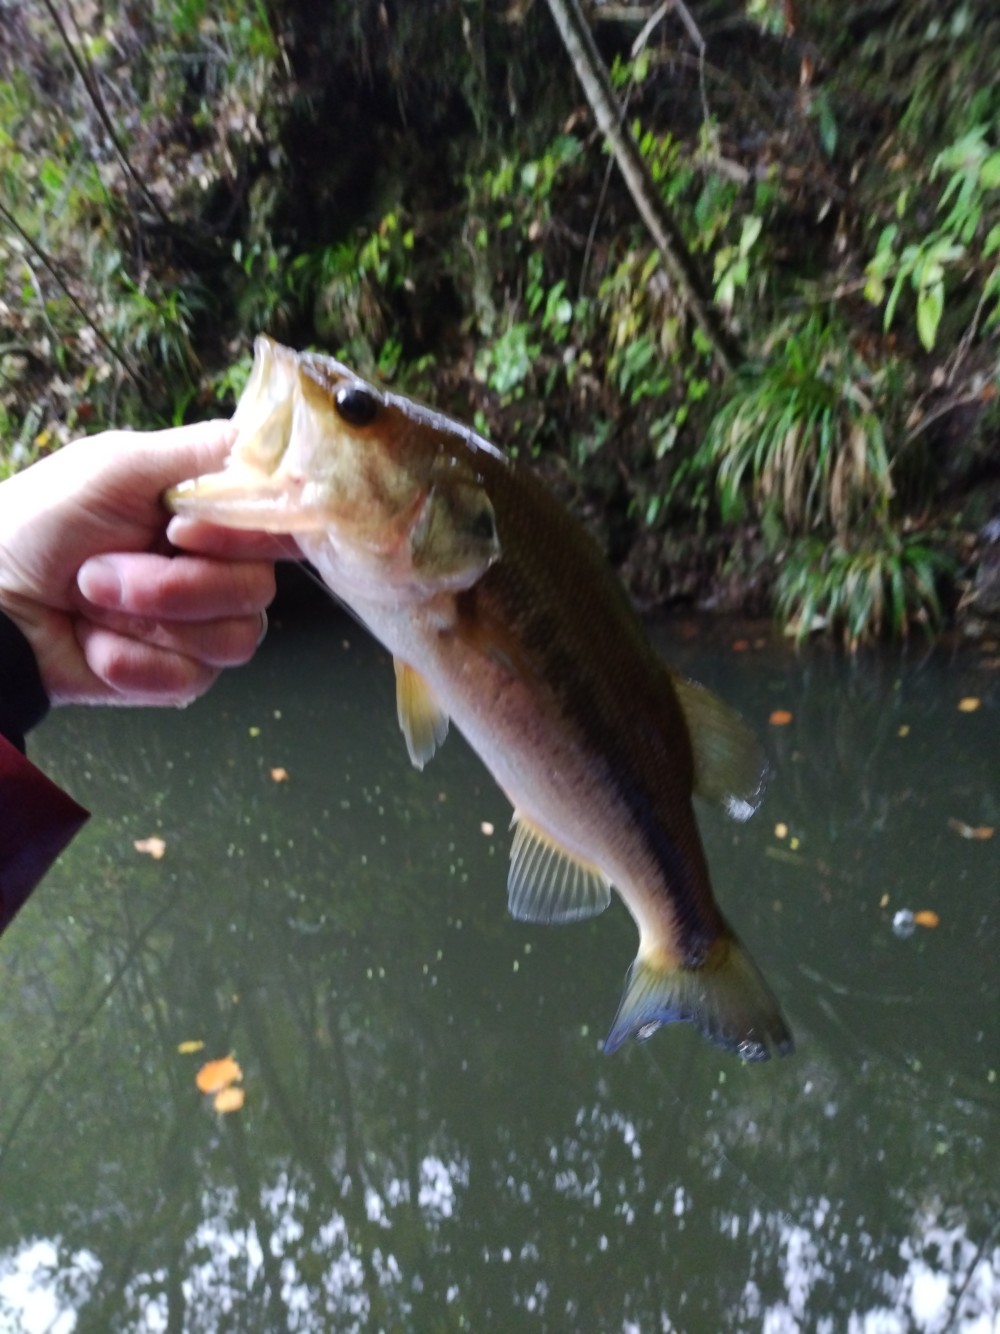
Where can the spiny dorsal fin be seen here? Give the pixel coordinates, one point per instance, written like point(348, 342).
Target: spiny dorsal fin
point(548, 884)
point(730, 767)
point(423, 723)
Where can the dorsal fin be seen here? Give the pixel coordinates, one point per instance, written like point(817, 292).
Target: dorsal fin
point(548, 884)
point(423, 722)
point(730, 767)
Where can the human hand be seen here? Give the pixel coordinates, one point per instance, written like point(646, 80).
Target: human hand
point(87, 572)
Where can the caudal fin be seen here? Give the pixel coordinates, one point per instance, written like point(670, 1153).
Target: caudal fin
point(726, 998)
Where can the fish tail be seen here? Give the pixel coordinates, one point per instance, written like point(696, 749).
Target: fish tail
point(725, 997)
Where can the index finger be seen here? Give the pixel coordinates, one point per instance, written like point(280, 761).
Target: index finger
point(207, 539)
point(176, 588)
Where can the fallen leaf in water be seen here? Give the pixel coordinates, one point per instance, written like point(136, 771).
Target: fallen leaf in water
point(780, 718)
point(152, 847)
point(926, 918)
point(740, 645)
point(192, 1044)
point(214, 1076)
point(968, 705)
point(229, 1100)
point(781, 830)
point(279, 775)
point(486, 828)
point(980, 832)
point(904, 729)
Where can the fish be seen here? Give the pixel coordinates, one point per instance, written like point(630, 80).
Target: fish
point(503, 617)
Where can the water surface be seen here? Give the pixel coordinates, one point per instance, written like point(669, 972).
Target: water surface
point(431, 1138)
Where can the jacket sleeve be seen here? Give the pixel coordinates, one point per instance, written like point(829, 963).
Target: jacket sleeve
point(37, 819)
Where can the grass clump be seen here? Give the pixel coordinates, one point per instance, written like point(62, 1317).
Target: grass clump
point(881, 583)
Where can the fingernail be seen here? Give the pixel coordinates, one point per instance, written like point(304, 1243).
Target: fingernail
point(100, 583)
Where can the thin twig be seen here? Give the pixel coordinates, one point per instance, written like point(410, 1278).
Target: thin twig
point(53, 269)
point(89, 80)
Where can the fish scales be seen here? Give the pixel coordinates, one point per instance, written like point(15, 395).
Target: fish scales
point(503, 616)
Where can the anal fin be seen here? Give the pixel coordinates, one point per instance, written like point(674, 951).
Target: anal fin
point(548, 884)
point(423, 722)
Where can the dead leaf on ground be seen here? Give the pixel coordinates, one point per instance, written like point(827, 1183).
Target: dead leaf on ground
point(214, 1076)
point(980, 832)
point(229, 1099)
point(153, 847)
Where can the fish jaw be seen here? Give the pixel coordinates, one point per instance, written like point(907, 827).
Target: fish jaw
point(247, 498)
point(385, 502)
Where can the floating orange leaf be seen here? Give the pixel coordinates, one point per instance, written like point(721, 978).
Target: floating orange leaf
point(780, 718)
point(969, 704)
point(740, 645)
point(229, 1099)
point(214, 1076)
point(192, 1044)
point(979, 831)
point(926, 918)
point(153, 847)
point(279, 775)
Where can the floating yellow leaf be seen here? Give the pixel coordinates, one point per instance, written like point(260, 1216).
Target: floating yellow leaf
point(229, 1100)
point(781, 830)
point(979, 831)
point(153, 847)
point(780, 718)
point(192, 1044)
point(926, 918)
point(969, 704)
point(904, 729)
point(214, 1076)
point(279, 775)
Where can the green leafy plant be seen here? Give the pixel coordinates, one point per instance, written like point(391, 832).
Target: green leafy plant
point(861, 588)
point(961, 235)
point(804, 428)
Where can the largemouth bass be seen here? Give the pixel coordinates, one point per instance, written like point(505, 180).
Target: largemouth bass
point(502, 615)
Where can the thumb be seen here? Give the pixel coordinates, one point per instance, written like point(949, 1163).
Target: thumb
point(156, 460)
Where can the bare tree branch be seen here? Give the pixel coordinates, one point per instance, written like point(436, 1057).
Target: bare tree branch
point(53, 270)
point(666, 235)
point(89, 81)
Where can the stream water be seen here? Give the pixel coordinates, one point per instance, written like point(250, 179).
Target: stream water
point(431, 1138)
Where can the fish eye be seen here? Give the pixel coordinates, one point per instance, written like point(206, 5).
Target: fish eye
point(356, 404)
point(483, 525)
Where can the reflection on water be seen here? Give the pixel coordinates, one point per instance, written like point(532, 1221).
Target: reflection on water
point(431, 1138)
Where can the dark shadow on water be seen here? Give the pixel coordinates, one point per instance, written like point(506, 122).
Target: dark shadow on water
point(431, 1139)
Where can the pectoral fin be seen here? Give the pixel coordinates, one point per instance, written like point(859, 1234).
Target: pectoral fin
point(424, 724)
point(730, 767)
point(548, 884)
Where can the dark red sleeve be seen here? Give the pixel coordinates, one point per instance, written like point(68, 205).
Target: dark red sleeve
point(37, 819)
